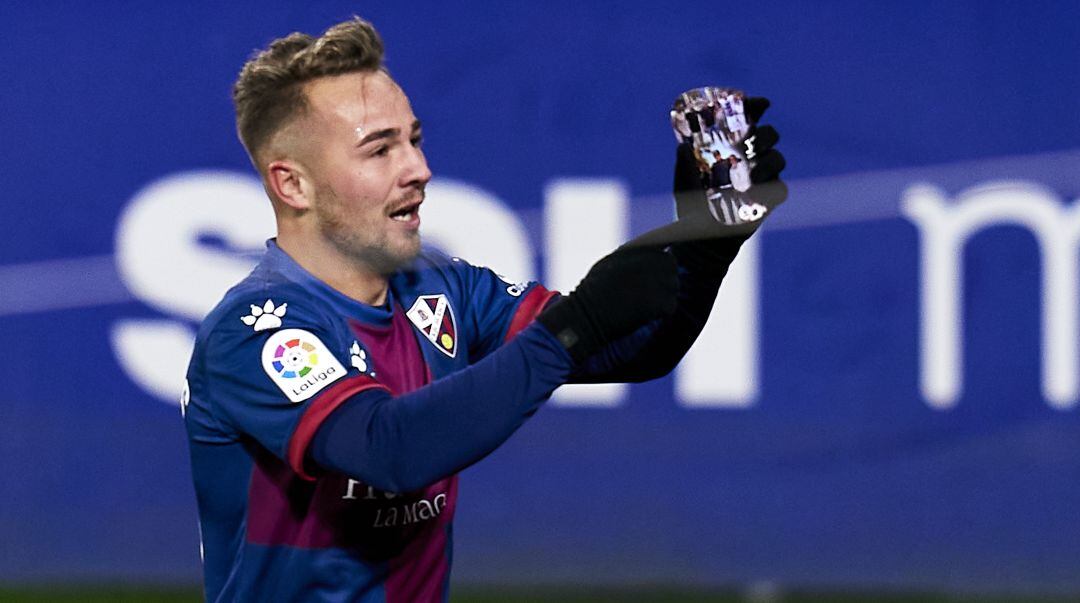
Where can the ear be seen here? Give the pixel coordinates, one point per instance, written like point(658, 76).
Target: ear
point(288, 181)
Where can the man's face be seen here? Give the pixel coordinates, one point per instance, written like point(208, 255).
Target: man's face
point(367, 168)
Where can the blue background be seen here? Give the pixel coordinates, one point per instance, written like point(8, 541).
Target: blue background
point(838, 475)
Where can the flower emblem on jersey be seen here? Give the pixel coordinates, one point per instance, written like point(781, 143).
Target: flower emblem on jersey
point(434, 317)
point(299, 363)
point(752, 212)
point(360, 359)
point(265, 317)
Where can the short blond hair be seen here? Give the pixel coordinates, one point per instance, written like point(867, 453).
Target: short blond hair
point(269, 92)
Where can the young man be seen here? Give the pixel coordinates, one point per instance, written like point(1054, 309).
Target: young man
point(336, 391)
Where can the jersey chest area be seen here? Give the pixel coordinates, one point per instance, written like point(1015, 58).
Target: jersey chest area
point(422, 341)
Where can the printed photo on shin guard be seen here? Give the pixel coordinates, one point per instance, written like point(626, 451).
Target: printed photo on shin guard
point(713, 121)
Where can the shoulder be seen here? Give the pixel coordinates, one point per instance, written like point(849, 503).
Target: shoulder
point(433, 268)
point(259, 307)
point(433, 260)
point(459, 275)
point(267, 337)
point(262, 306)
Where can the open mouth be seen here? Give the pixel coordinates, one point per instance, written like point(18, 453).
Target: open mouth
point(407, 213)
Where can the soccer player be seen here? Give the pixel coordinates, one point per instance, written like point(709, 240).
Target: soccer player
point(334, 393)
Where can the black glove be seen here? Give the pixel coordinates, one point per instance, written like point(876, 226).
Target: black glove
point(622, 292)
point(767, 190)
point(698, 239)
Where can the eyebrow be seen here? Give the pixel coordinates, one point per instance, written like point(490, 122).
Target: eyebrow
point(386, 133)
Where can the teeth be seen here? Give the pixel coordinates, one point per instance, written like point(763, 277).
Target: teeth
point(407, 213)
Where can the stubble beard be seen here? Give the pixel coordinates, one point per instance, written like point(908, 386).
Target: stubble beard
point(367, 245)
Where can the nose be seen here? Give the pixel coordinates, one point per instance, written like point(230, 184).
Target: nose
point(415, 171)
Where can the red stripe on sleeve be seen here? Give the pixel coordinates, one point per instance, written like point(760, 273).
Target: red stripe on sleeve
point(315, 414)
point(533, 304)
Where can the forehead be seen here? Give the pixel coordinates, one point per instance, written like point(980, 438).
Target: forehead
point(371, 100)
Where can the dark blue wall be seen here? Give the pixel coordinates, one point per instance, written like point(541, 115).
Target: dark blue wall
point(839, 471)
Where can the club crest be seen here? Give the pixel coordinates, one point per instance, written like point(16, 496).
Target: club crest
point(434, 317)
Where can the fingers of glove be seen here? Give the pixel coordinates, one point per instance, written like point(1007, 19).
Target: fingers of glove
point(760, 141)
point(687, 188)
point(687, 174)
point(769, 165)
point(754, 107)
point(770, 194)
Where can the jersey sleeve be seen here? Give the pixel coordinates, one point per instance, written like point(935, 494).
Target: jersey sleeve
point(498, 308)
point(404, 443)
point(276, 368)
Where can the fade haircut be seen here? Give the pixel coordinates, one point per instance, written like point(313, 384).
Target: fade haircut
point(269, 93)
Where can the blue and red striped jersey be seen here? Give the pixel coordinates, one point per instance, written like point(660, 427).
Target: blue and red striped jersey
point(271, 362)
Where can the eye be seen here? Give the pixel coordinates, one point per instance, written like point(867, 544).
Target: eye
point(381, 151)
point(417, 141)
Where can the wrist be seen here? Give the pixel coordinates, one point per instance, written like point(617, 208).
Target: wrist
point(565, 323)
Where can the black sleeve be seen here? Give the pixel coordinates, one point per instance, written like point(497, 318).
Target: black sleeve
point(654, 350)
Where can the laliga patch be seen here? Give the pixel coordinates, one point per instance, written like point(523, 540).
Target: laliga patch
point(434, 317)
point(299, 363)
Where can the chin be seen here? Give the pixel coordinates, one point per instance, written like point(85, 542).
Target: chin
point(408, 256)
point(386, 260)
point(407, 251)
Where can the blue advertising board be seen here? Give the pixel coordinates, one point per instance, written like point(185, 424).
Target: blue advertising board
point(885, 396)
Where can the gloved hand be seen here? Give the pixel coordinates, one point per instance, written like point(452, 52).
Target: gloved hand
point(622, 292)
point(699, 241)
point(690, 197)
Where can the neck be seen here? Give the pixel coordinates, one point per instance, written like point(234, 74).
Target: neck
point(341, 272)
